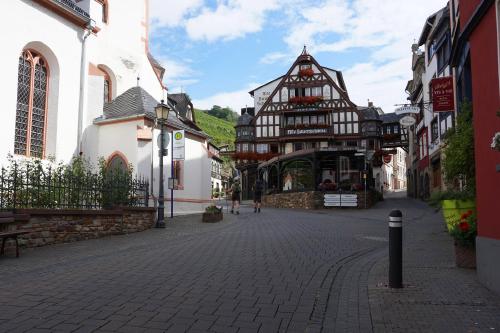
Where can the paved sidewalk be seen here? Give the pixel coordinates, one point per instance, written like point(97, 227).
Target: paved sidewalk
point(438, 297)
point(278, 271)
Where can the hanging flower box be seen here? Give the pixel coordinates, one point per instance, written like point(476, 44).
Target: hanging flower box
point(306, 100)
point(308, 72)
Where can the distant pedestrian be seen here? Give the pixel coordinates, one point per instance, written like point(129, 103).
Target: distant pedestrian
point(235, 196)
point(257, 195)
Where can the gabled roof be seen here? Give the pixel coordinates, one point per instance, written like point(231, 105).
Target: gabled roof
point(156, 65)
point(430, 24)
point(183, 102)
point(138, 102)
point(390, 118)
point(244, 120)
point(369, 112)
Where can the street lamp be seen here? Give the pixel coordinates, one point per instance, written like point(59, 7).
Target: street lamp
point(162, 111)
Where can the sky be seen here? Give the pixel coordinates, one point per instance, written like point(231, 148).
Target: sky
point(218, 50)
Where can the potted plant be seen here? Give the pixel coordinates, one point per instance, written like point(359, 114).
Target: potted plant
point(464, 231)
point(453, 204)
point(212, 214)
point(459, 169)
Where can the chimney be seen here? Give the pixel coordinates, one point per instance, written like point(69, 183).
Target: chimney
point(370, 104)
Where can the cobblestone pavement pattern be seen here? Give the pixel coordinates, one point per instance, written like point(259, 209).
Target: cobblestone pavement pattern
point(278, 271)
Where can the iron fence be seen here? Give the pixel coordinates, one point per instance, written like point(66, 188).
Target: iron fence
point(59, 189)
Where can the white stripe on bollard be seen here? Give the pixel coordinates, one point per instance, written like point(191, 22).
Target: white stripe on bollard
point(395, 219)
point(395, 224)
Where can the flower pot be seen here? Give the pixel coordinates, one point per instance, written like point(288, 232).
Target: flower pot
point(453, 209)
point(212, 217)
point(465, 256)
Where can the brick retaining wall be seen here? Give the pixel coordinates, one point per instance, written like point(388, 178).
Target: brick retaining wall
point(48, 227)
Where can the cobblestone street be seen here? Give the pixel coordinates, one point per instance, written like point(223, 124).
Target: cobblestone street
point(281, 270)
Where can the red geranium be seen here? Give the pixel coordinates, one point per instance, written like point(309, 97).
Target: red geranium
point(464, 226)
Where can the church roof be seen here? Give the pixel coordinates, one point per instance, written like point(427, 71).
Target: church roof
point(136, 102)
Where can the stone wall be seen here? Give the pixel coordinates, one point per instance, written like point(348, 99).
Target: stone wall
point(311, 200)
point(48, 227)
point(301, 200)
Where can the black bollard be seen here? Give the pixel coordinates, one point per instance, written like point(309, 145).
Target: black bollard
point(396, 249)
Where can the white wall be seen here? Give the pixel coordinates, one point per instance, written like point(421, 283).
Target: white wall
point(62, 50)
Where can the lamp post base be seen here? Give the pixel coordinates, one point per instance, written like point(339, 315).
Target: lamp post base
point(160, 224)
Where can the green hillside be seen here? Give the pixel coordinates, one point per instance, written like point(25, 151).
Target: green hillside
point(221, 131)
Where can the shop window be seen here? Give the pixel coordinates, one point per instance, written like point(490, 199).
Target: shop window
point(434, 130)
point(297, 176)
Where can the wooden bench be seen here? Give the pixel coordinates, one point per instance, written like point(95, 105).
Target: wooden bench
point(11, 235)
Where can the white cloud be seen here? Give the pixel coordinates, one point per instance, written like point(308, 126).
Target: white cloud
point(229, 20)
point(178, 75)
point(233, 99)
point(384, 85)
point(274, 57)
point(170, 13)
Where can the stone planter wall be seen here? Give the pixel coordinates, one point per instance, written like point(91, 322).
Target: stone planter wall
point(301, 200)
point(47, 227)
point(311, 200)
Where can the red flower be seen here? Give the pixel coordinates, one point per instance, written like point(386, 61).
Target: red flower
point(469, 213)
point(463, 226)
point(464, 216)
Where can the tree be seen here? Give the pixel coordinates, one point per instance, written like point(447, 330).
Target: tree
point(459, 162)
point(225, 113)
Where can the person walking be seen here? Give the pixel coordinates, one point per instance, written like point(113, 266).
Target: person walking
point(235, 196)
point(257, 195)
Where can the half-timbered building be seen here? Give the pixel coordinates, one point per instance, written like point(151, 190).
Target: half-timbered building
point(305, 133)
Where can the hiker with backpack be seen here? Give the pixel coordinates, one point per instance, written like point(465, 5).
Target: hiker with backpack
point(257, 195)
point(235, 196)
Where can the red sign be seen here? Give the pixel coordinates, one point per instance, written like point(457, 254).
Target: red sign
point(443, 99)
point(387, 159)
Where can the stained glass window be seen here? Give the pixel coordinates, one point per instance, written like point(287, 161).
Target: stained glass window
point(32, 86)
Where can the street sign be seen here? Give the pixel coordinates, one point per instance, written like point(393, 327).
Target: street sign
point(341, 200)
point(407, 121)
point(443, 98)
point(179, 145)
point(166, 140)
point(408, 109)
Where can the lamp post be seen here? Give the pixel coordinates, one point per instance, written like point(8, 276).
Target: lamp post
point(162, 111)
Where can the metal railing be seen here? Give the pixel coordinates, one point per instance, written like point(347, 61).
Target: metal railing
point(60, 189)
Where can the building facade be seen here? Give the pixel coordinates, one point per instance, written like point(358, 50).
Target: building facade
point(475, 60)
point(426, 139)
point(86, 85)
point(305, 134)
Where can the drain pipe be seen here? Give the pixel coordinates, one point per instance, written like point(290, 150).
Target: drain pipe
point(83, 75)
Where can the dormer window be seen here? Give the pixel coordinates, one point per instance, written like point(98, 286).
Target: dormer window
point(306, 66)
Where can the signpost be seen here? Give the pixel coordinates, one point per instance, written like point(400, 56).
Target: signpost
point(178, 154)
point(443, 99)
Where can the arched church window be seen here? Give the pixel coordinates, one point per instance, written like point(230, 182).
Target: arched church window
point(107, 89)
point(31, 109)
point(117, 163)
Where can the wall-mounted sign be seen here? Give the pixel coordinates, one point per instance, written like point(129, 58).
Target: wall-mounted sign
point(407, 121)
point(443, 99)
point(179, 145)
point(407, 109)
point(307, 131)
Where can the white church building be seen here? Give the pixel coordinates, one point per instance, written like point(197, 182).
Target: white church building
point(80, 80)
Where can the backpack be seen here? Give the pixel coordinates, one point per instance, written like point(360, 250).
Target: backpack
point(259, 186)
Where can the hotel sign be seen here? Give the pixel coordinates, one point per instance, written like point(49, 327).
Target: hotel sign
point(309, 131)
point(408, 109)
point(443, 99)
